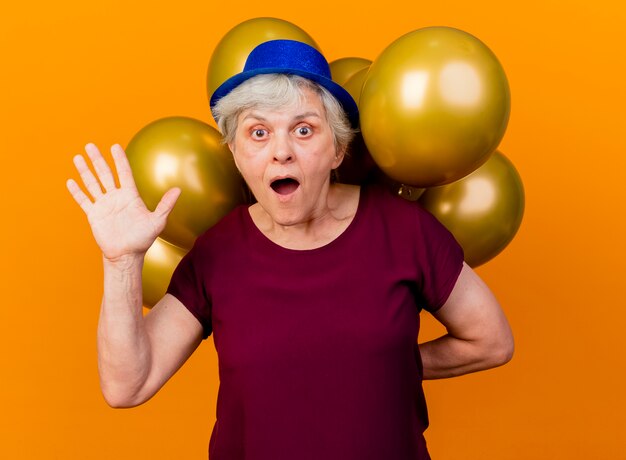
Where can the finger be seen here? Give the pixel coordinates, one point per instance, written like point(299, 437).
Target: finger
point(79, 196)
point(167, 203)
point(87, 176)
point(124, 173)
point(100, 165)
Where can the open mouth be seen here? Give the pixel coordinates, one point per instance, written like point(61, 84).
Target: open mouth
point(285, 186)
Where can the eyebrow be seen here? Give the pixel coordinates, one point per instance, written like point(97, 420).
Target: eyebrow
point(306, 115)
point(255, 116)
point(301, 116)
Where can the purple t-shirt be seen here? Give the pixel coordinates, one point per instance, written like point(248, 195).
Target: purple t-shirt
point(317, 349)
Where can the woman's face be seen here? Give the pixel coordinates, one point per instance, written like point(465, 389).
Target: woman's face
point(285, 157)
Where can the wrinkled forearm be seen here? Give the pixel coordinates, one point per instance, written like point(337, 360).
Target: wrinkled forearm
point(124, 356)
point(448, 356)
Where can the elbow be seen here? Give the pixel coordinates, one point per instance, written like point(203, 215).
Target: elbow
point(116, 402)
point(119, 401)
point(495, 351)
point(119, 398)
point(502, 351)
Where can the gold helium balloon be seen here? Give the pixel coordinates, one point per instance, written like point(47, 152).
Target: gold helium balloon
point(354, 84)
point(158, 267)
point(186, 153)
point(359, 167)
point(483, 210)
point(230, 54)
point(341, 70)
point(434, 106)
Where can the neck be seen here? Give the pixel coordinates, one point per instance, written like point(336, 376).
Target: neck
point(327, 221)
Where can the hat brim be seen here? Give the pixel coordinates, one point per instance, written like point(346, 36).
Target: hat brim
point(343, 97)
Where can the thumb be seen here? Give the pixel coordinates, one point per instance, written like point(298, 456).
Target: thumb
point(167, 203)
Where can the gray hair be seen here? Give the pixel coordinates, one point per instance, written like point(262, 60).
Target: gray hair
point(273, 91)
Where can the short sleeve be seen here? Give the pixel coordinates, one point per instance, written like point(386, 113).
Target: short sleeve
point(188, 286)
point(441, 259)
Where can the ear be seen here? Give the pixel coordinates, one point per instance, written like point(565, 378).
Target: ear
point(339, 156)
point(231, 147)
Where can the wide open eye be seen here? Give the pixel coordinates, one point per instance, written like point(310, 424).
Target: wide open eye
point(304, 131)
point(259, 133)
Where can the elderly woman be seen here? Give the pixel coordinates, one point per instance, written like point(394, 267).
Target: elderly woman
point(312, 294)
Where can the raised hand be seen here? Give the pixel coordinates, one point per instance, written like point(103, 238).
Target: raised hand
point(119, 219)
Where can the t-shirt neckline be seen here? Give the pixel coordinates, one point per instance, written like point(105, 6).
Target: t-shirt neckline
point(260, 238)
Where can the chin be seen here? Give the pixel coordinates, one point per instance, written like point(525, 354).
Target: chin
point(285, 217)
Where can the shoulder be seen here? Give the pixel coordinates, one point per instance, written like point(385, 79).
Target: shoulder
point(393, 206)
point(406, 221)
point(229, 228)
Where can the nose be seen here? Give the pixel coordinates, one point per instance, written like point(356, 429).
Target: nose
point(282, 149)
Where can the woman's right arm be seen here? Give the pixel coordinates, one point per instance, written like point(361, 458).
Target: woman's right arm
point(136, 354)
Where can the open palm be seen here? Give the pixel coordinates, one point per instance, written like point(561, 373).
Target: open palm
point(119, 219)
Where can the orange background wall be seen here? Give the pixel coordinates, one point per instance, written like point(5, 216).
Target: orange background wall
point(78, 72)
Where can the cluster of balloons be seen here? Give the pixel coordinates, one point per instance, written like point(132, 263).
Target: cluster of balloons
point(434, 106)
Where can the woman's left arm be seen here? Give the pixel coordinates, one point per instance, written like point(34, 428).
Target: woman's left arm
point(478, 333)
